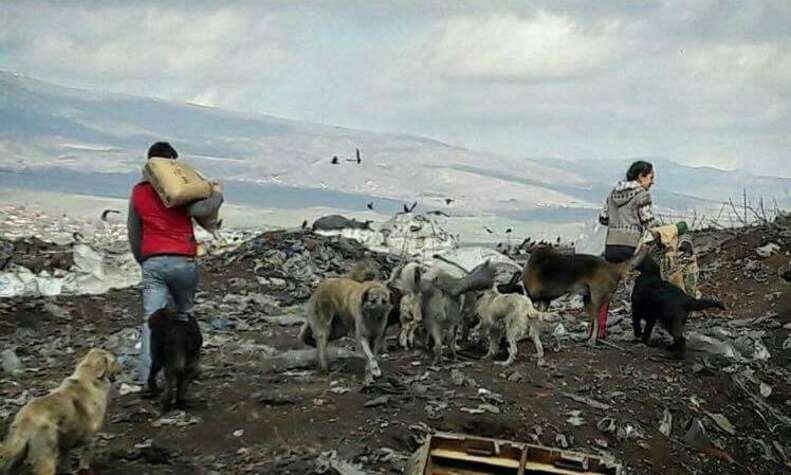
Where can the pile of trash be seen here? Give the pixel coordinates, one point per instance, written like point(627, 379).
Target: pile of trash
point(34, 254)
point(408, 235)
point(32, 267)
point(288, 264)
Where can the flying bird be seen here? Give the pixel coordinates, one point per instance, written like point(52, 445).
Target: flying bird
point(409, 209)
point(508, 231)
point(370, 205)
point(488, 230)
point(448, 201)
point(359, 160)
point(305, 224)
point(107, 212)
point(334, 160)
point(438, 213)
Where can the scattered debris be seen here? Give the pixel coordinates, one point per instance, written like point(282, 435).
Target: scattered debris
point(607, 425)
point(178, 419)
point(666, 425)
point(586, 400)
point(329, 461)
point(380, 401)
point(293, 359)
point(767, 250)
point(11, 363)
point(722, 422)
point(575, 418)
point(129, 389)
point(696, 435)
point(273, 397)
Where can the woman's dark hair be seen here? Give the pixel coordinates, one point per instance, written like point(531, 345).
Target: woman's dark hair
point(162, 150)
point(638, 169)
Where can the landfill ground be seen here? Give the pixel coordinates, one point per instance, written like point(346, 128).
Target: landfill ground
point(256, 414)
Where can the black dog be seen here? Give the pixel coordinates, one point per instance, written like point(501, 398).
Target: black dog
point(655, 299)
point(175, 345)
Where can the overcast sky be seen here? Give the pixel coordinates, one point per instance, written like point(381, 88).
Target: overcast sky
point(698, 82)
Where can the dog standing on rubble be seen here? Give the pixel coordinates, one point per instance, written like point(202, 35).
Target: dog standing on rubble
point(654, 299)
point(442, 299)
point(470, 317)
point(509, 315)
point(175, 345)
point(405, 280)
point(48, 427)
point(550, 274)
point(341, 305)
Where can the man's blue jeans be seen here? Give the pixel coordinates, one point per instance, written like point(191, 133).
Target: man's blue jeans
point(165, 276)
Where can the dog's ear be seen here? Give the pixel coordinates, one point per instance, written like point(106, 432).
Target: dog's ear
point(158, 318)
point(98, 363)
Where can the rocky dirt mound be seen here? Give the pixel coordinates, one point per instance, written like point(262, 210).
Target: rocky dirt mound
point(261, 408)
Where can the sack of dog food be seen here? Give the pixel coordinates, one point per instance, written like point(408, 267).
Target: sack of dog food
point(679, 266)
point(175, 182)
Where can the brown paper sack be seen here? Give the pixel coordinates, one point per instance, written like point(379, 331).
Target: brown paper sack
point(175, 182)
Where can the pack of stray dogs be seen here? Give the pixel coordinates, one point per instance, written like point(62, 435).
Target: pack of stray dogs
point(443, 302)
point(447, 301)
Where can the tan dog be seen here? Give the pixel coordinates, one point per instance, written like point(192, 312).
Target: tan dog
point(69, 417)
point(341, 305)
point(512, 315)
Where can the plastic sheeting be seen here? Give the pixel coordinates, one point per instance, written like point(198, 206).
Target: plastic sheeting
point(90, 274)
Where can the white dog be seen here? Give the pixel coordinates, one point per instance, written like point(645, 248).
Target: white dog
point(512, 315)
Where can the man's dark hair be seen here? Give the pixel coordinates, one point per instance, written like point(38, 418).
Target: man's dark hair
point(638, 169)
point(163, 150)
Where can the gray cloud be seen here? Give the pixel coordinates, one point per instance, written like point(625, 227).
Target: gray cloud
point(699, 82)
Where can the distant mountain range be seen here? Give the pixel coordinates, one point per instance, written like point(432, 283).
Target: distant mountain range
point(91, 142)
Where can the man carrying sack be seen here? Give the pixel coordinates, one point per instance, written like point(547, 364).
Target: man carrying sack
point(161, 235)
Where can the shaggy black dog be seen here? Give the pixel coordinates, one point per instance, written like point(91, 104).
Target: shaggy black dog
point(175, 345)
point(654, 299)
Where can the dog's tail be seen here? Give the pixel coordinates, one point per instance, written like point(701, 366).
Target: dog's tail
point(535, 314)
point(13, 449)
point(481, 278)
point(703, 304)
point(450, 262)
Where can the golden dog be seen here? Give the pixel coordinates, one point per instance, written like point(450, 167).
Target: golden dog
point(340, 305)
point(48, 427)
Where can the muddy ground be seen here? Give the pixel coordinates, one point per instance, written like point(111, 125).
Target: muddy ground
point(249, 419)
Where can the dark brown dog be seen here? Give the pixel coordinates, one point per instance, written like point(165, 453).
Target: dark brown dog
point(550, 274)
point(175, 345)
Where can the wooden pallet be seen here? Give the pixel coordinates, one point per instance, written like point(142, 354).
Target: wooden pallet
point(457, 454)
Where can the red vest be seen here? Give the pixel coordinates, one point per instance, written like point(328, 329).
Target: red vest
point(164, 230)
